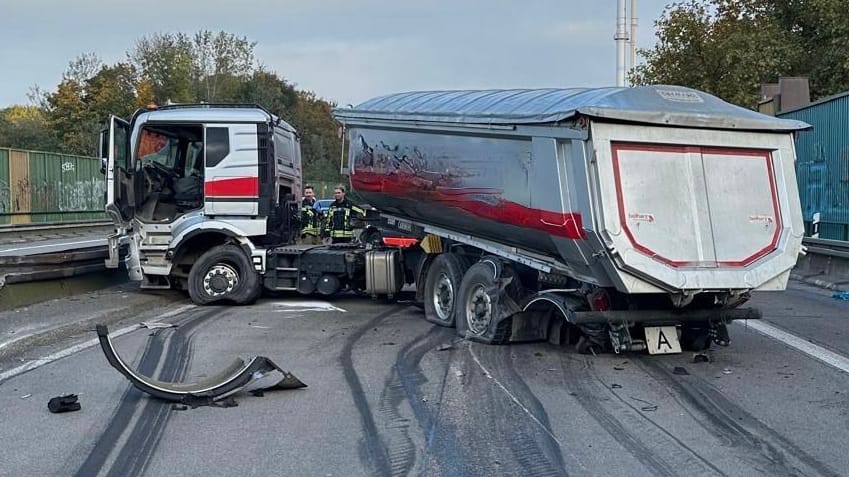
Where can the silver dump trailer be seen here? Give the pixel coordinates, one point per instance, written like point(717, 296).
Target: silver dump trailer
point(633, 213)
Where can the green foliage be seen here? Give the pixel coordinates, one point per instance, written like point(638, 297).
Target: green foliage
point(176, 67)
point(730, 47)
point(25, 127)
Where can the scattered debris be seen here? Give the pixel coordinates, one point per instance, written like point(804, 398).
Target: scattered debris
point(258, 373)
point(459, 373)
point(786, 375)
point(841, 295)
point(616, 386)
point(619, 368)
point(680, 371)
point(66, 403)
point(262, 327)
point(444, 347)
point(648, 407)
point(388, 343)
point(179, 407)
point(26, 396)
point(257, 393)
point(702, 358)
point(538, 354)
point(726, 371)
point(156, 325)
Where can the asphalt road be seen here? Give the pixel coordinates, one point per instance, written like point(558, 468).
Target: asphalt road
point(390, 394)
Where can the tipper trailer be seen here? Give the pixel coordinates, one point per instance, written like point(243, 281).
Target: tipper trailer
point(620, 218)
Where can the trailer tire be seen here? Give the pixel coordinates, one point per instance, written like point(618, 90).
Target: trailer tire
point(223, 274)
point(442, 285)
point(480, 302)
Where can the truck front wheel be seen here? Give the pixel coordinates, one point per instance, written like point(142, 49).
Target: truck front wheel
point(223, 273)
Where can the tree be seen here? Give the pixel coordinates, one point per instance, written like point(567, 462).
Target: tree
point(320, 142)
point(25, 127)
point(730, 47)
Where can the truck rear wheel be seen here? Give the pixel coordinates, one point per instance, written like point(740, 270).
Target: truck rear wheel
point(480, 304)
point(223, 273)
point(441, 287)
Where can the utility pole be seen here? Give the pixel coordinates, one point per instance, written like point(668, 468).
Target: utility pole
point(622, 40)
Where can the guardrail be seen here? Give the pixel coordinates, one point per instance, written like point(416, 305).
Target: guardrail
point(38, 227)
point(831, 248)
point(825, 264)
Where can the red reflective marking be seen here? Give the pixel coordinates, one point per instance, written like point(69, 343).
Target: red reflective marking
point(402, 242)
point(616, 147)
point(232, 187)
point(489, 204)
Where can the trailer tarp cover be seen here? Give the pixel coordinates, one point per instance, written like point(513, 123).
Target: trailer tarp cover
point(664, 105)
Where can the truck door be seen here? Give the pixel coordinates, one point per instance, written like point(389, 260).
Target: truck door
point(115, 150)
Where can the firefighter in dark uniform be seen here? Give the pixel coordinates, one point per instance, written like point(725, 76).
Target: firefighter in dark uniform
point(310, 219)
point(338, 224)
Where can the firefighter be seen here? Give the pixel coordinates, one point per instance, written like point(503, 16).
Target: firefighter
point(310, 218)
point(338, 224)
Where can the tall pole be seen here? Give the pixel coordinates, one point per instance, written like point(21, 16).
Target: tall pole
point(621, 38)
point(633, 34)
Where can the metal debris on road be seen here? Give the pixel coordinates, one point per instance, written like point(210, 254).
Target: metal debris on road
point(66, 403)
point(649, 407)
point(701, 358)
point(616, 386)
point(444, 347)
point(156, 325)
point(26, 396)
point(258, 373)
point(680, 371)
point(726, 371)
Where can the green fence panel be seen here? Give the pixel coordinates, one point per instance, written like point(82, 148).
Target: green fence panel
point(65, 188)
point(5, 191)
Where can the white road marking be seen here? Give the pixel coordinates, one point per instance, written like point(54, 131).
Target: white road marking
point(62, 244)
point(310, 306)
point(815, 351)
point(37, 363)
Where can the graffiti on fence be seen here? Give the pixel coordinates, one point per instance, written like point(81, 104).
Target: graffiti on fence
point(5, 197)
point(82, 195)
point(57, 196)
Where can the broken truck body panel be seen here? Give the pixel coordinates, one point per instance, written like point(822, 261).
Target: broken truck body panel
point(656, 189)
point(223, 384)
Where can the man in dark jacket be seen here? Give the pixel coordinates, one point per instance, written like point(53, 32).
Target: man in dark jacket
point(338, 222)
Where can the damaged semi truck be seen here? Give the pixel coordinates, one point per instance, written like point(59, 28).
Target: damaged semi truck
point(614, 218)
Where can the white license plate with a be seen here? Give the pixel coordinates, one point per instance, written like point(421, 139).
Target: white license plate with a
point(662, 340)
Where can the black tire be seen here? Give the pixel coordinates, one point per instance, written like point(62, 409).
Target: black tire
point(441, 287)
point(479, 303)
point(224, 274)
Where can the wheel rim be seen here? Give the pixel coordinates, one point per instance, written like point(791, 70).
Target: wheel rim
point(220, 280)
point(479, 310)
point(443, 297)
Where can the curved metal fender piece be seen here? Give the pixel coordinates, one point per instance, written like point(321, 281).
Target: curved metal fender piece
point(227, 382)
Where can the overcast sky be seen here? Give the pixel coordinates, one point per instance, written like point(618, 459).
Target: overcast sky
point(343, 50)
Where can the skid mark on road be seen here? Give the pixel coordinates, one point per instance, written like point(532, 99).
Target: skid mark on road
point(727, 421)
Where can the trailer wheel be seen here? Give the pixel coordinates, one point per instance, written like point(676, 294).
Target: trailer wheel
point(480, 305)
point(441, 287)
point(223, 273)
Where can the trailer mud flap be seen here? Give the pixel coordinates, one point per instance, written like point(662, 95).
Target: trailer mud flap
point(258, 373)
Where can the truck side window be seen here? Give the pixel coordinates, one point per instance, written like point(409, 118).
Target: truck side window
point(217, 145)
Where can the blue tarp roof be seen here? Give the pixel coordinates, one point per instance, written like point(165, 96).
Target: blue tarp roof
point(672, 105)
